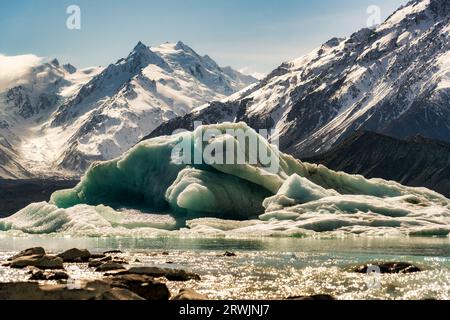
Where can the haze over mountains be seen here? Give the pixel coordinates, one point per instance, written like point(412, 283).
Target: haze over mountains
point(57, 120)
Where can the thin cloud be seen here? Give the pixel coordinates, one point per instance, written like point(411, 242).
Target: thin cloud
point(14, 68)
point(248, 71)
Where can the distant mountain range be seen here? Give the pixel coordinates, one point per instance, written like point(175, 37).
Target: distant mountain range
point(416, 161)
point(394, 80)
point(351, 104)
point(59, 120)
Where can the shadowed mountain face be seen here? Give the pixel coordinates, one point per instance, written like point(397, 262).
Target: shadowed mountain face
point(16, 194)
point(415, 162)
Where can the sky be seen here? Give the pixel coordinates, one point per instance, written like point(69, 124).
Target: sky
point(254, 36)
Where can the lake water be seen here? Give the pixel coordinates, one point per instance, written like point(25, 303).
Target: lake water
point(268, 268)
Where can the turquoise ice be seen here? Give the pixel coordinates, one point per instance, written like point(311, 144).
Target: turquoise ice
point(283, 198)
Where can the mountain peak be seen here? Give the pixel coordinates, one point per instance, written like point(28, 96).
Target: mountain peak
point(142, 56)
point(140, 47)
point(69, 68)
point(182, 46)
point(55, 62)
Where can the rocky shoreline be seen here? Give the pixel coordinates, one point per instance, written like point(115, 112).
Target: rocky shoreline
point(119, 279)
point(48, 279)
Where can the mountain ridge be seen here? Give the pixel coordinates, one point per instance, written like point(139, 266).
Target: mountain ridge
point(374, 80)
point(415, 161)
point(60, 119)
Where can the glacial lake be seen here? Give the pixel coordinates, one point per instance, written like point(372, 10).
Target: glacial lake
point(268, 268)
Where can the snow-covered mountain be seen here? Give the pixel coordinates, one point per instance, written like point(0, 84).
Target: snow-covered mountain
point(25, 107)
point(394, 80)
point(60, 119)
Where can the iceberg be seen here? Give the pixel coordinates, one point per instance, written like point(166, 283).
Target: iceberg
point(227, 179)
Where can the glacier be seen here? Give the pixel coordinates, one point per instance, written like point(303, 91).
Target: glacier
point(158, 188)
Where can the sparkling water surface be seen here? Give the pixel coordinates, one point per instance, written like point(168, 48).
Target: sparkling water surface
point(270, 268)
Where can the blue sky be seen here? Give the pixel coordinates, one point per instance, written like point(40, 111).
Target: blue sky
point(254, 34)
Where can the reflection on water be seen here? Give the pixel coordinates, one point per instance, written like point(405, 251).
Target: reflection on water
point(272, 268)
point(439, 247)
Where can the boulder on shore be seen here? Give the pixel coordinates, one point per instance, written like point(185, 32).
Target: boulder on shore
point(40, 275)
point(142, 285)
point(109, 266)
point(189, 294)
point(316, 297)
point(169, 274)
point(119, 294)
point(75, 255)
point(87, 290)
point(37, 251)
point(42, 262)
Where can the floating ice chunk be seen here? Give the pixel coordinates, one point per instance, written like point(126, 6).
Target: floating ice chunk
point(139, 178)
point(84, 220)
point(201, 193)
point(299, 198)
point(296, 190)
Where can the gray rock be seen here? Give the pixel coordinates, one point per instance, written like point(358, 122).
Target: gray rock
point(142, 285)
point(119, 294)
point(109, 266)
point(97, 256)
point(75, 255)
point(387, 267)
point(169, 274)
point(189, 294)
point(39, 275)
point(317, 297)
point(119, 260)
point(87, 290)
point(95, 263)
point(38, 261)
point(112, 252)
point(229, 254)
point(37, 251)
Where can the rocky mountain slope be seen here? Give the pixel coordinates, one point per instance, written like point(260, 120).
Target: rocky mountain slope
point(60, 119)
point(416, 161)
point(394, 80)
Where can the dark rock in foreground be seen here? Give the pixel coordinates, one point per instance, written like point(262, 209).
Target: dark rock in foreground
point(34, 291)
point(75, 255)
point(119, 294)
point(118, 288)
point(142, 285)
point(169, 274)
point(39, 275)
point(387, 267)
point(118, 284)
point(229, 254)
point(38, 261)
point(37, 251)
point(95, 263)
point(189, 294)
point(109, 266)
point(317, 297)
point(112, 252)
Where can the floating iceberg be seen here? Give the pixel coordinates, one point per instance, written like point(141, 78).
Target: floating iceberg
point(222, 183)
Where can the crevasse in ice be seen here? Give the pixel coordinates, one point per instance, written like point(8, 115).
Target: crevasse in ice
point(239, 197)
